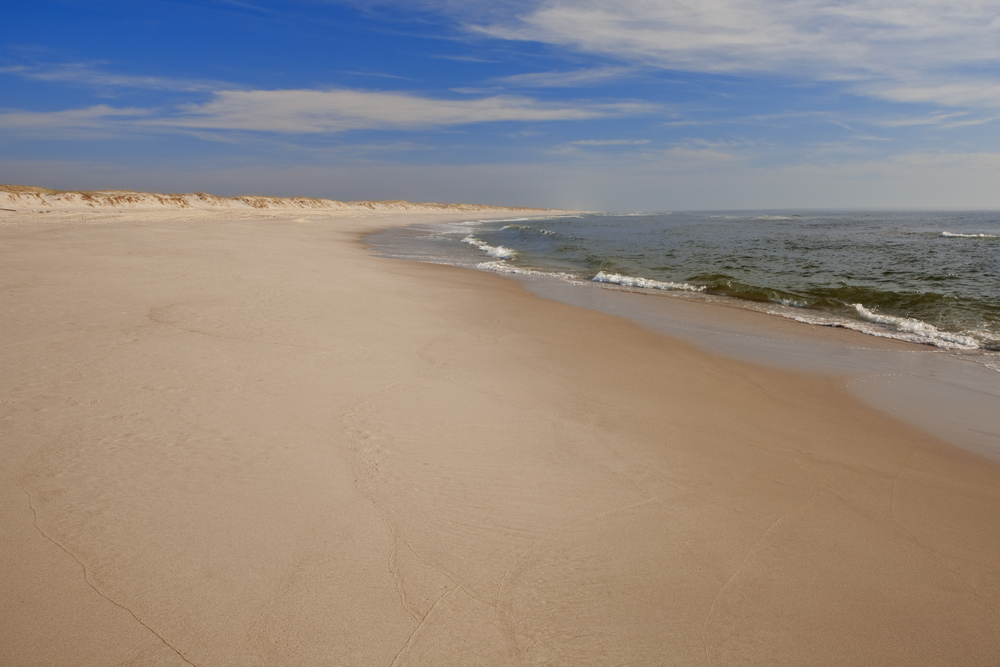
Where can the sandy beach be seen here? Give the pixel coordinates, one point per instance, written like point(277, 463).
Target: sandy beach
point(234, 437)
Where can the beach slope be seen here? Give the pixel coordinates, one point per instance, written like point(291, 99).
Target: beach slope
point(232, 437)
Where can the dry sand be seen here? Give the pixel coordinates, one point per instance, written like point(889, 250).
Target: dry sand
point(236, 440)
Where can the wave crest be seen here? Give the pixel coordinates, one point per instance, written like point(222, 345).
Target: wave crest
point(922, 331)
point(503, 267)
point(499, 252)
point(646, 283)
point(968, 236)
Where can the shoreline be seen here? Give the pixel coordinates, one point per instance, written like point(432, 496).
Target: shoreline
point(953, 395)
point(946, 394)
point(246, 441)
point(866, 306)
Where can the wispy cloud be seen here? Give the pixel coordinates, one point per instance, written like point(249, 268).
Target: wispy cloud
point(305, 111)
point(689, 123)
point(462, 59)
point(932, 119)
point(584, 147)
point(569, 79)
point(858, 134)
point(92, 122)
point(380, 75)
point(246, 5)
point(961, 93)
point(610, 142)
point(883, 41)
point(313, 111)
point(94, 76)
point(840, 39)
point(691, 158)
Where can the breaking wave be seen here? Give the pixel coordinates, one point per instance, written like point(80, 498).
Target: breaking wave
point(917, 329)
point(503, 267)
point(646, 283)
point(968, 236)
point(493, 251)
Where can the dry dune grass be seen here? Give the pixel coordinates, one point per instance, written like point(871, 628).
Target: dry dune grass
point(66, 199)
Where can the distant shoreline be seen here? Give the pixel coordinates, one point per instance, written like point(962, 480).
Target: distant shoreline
point(26, 195)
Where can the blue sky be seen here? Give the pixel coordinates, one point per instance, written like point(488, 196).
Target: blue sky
point(631, 105)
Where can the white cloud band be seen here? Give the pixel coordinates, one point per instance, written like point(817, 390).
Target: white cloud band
point(843, 39)
point(312, 111)
point(340, 110)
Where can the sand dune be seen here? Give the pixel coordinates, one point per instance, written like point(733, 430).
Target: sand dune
point(20, 197)
point(232, 437)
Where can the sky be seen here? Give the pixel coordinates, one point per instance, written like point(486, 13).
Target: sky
point(626, 106)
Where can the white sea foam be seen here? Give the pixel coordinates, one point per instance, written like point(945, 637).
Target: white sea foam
point(504, 267)
point(992, 362)
point(632, 281)
point(928, 332)
point(487, 220)
point(540, 231)
point(906, 329)
point(968, 236)
point(861, 327)
point(493, 251)
point(532, 218)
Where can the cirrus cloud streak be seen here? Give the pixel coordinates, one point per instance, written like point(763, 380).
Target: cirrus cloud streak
point(313, 112)
point(897, 50)
point(847, 39)
point(341, 110)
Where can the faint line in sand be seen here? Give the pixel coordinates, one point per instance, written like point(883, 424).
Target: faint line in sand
point(86, 575)
point(153, 319)
point(344, 411)
point(553, 533)
point(395, 536)
point(398, 580)
point(739, 568)
point(420, 624)
point(931, 551)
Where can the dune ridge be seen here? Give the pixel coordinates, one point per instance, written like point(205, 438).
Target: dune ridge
point(23, 197)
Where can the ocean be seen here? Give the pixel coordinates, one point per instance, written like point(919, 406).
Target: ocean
point(921, 277)
point(931, 278)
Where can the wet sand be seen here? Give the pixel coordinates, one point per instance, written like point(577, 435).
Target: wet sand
point(233, 441)
point(954, 396)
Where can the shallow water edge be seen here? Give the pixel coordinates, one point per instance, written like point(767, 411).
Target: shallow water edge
point(943, 392)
